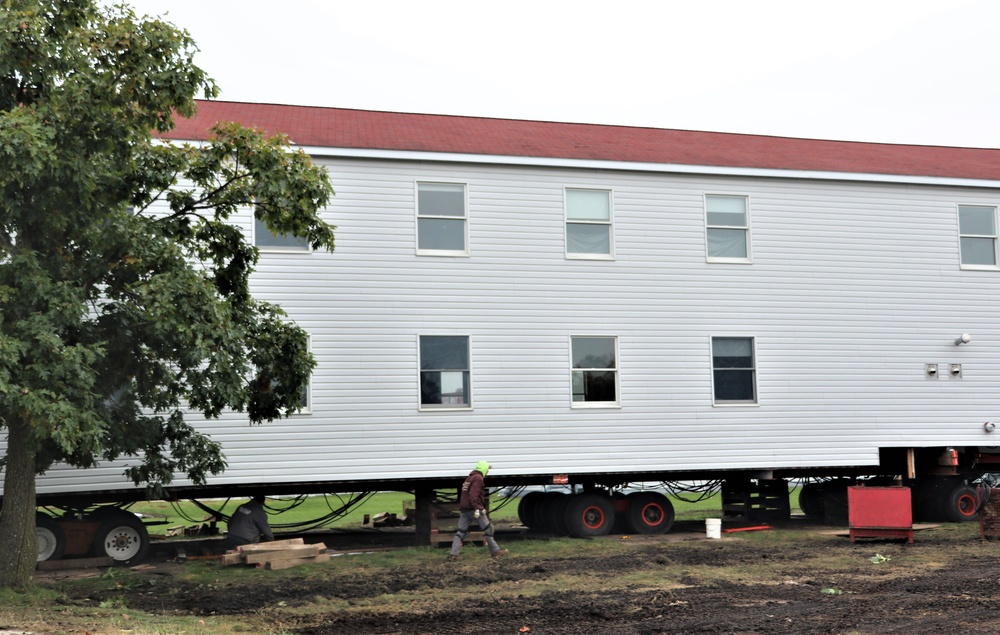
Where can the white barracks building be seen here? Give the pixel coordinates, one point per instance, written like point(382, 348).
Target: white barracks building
point(604, 304)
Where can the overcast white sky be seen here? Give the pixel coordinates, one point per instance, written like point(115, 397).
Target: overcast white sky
point(900, 71)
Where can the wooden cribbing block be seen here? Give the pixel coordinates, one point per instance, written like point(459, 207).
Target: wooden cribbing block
point(232, 558)
point(303, 551)
point(274, 545)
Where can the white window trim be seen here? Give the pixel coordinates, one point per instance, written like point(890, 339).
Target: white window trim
point(452, 253)
point(747, 235)
point(756, 373)
point(591, 405)
point(439, 409)
point(610, 223)
point(996, 238)
point(278, 249)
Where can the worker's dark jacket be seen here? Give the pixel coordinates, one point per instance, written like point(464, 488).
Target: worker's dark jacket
point(473, 493)
point(249, 523)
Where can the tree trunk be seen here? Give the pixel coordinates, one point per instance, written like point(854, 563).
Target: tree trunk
point(18, 543)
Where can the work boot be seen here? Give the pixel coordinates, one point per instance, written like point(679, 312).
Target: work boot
point(498, 554)
point(451, 557)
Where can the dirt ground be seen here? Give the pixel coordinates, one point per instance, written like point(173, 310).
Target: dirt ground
point(960, 595)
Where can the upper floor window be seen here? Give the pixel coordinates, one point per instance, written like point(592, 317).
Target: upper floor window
point(977, 226)
point(445, 372)
point(595, 371)
point(727, 228)
point(441, 219)
point(588, 223)
point(266, 240)
point(734, 374)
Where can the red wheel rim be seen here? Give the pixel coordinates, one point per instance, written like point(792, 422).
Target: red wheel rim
point(652, 515)
point(967, 505)
point(593, 518)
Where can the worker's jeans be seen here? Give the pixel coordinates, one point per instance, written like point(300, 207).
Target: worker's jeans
point(464, 521)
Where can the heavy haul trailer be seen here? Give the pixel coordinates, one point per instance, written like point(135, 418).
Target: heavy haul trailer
point(601, 305)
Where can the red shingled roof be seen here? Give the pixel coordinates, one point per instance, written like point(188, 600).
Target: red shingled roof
point(366, 129)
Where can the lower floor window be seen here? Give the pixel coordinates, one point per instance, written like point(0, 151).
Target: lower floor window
point(595, 370)
point(734, 373)
point(445, 372)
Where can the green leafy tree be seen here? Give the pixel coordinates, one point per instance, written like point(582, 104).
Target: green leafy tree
point(115, 319)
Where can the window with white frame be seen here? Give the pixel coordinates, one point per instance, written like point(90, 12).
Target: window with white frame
point(734, 374)
point(266, 240)
point(441, 219)
point(977, 226)
point(445, 372)
point(727, 228)
point(594, 375)
point(588, 223)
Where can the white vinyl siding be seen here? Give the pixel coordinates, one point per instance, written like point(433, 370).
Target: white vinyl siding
point(854, 288)
point(442, 227)
point(977, 226)
point(589, 224)
point(727, 228)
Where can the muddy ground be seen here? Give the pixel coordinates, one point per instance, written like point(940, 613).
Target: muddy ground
point(856, 596)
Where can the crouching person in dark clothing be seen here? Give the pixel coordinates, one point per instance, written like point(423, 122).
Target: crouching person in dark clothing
point(249, 524)
point(474, 505)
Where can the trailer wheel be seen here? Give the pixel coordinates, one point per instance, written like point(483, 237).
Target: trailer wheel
point(925, 495)
point(528, 507)
point(620, 502)
point(123, 538)
point(649, 513)
point(590, 515)
point(51, 538)
point(960, 503)
point(811, 500)
point(556, 512)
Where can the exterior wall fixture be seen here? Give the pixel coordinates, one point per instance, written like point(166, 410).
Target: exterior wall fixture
point(964, 338)
point(989, 426)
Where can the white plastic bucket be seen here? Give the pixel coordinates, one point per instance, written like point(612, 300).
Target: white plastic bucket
point(713, 528)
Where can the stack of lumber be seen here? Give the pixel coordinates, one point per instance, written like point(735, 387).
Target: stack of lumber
point(277, 554)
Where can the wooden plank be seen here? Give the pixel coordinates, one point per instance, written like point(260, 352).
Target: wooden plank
point(294, 562)
point(274, 545)
point(304, 551)
point(232, 558)
point(278, 556)
point(74, 563)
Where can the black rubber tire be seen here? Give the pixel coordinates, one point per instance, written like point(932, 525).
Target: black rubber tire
point(811, 501)
point(527, 509)
point(959, 503)
point(51, 537)
point(927, 505)
point(620, 502)
point(649, 513)
point(555, 511)
point(542, 510)
point(123, 538)
point(589, 515)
